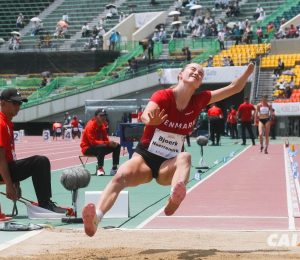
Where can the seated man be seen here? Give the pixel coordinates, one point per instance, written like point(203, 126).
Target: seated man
point(12, 171)
point(95, 141)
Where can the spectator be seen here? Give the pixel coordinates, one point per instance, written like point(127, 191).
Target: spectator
point(176, 33)
point(187, 53)
point(95, 141)
point(113, 39)
point(13, 171)
point(150, 49)
point(36, 27)
point(210, 61)
point(58, 31)
point(230, 61)
point(288, 92)
point(85, 30)
point(163, 35)
point(280, 67)
point(101, 32)
point(292, 32)
point(65, 17)
point(258, 11)
point(20, 21)
point(44, 82)
point(122, 16)
point(156, 37)
point(221, 39)
point(236, 34)
point(133, 65)
point(95, 31)
point(178, 5)
point(16, 42)
point(259, 34)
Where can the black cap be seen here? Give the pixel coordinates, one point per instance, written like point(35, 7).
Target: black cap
point(100, 111)
point(12, 94)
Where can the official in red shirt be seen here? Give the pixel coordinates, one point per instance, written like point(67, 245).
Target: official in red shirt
point(245, 112)
point(215, 116)
point(13, 171)
point(95, 141)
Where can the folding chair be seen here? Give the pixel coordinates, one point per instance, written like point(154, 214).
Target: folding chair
point(84, 159)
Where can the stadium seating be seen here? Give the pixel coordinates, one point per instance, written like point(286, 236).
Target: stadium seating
point(241, 54)
point(10, 10)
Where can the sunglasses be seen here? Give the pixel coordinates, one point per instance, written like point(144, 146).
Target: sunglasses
point(16, 103)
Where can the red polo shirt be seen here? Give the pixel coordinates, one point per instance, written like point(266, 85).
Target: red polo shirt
point(245, 112)
point(215, 111)
point(7, 137)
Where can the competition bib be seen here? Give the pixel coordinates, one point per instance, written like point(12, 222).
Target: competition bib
point(165, 144)
point(264, 110)
point(58, 130)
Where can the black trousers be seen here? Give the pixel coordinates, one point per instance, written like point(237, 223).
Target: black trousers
point(37, 167)
point(248, 126)
point(233, 131)
point(215, 129)
point(101, 150)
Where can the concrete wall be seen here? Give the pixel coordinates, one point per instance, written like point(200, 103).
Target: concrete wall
point(136, 27)
point(285, 46)
point(149, 27)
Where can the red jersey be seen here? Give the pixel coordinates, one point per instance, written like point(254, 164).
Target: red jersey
point(93, 134)
point(74, 123)
point(215, 111)
point(7, 137)
point(245, 112)
point(178, 122)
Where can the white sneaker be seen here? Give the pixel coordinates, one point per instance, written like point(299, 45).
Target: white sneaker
point(100, 172)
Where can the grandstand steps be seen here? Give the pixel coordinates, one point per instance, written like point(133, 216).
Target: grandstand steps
point(265, 85)
point(165, 52)
point(76, 40)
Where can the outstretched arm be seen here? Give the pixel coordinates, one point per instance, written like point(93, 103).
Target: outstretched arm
point(235, 87)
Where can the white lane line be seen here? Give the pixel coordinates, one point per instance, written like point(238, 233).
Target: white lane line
point(19, 239)
point(291, 219)
point(229, 217)
point(195, 186)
